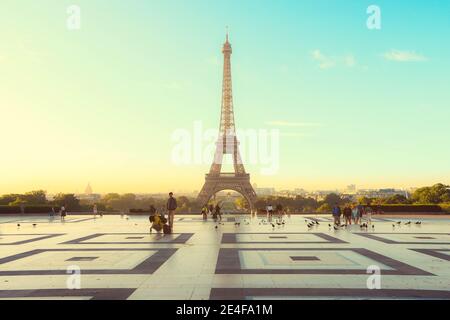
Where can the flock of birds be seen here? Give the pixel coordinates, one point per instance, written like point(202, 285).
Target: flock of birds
point(313, 223)
point(310, 223)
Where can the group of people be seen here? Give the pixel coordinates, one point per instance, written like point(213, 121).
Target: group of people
point(270, 211)
point(159, 221)
point(214, 211)
point(351, 213)
point(62, 213)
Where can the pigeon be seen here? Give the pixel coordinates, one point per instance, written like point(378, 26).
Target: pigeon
point(216, 227)
point(408, 223)
point(329, 225)
point(418, 222)
point(373, 226)
point(393, 226)
point(336, 228)
point(399, 222)
point(317, 222)
point(273, 226)
point(34, 224)
point(18, 225)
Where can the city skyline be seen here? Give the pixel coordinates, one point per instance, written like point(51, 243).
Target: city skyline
point(352, 105)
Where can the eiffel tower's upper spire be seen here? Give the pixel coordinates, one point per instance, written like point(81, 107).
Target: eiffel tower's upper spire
point(227, 45)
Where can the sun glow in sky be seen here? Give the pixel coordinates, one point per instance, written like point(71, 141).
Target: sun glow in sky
point(100, 105)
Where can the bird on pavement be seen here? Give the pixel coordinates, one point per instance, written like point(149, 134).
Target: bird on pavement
point(34, 224)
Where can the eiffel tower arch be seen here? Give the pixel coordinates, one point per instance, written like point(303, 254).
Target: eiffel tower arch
point(227, 143)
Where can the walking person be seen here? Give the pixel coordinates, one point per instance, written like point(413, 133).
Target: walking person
point(355, 214)
point(211, 209)
point(348, 214)
point(218, 213)
point(279, 209)
point(95, 210)
point(359, 213)
point(336, 211)
point(63, 213)
point(369, 211)
point(269, 212)
point(171, 207)
point(205, 213)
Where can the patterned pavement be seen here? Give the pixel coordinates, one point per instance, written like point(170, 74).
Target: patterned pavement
point(118, 258)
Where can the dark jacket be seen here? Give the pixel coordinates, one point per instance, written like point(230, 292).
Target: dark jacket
point(171, 204)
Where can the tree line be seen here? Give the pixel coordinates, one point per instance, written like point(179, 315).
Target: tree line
point(436, 194)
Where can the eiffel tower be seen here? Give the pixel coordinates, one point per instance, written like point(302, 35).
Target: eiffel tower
point(227, 143)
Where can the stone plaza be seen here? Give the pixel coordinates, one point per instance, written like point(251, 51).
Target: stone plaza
point(239, 258)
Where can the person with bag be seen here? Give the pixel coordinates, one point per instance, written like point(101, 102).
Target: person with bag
point(171, 207)
point(157, 223)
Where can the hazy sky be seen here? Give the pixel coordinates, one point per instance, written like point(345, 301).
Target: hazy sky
point(100, 105)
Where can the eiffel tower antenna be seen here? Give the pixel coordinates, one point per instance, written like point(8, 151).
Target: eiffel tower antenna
point(227, 143)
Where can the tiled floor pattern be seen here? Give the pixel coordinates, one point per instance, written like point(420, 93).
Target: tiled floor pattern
point(119, 259)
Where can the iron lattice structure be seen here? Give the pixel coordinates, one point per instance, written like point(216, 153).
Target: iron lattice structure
point(227, 143)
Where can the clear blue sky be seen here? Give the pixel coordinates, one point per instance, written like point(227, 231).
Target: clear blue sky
point(100, 104)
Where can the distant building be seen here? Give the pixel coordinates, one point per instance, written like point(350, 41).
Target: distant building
point(382, 193)
point(88, 190)
point(351, 189)
point(265, 191)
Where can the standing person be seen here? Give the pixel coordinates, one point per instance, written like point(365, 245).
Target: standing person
point(355, 214)
point(348, 214)
point(171, 207)
point(369, 211)
point(211, 209)
point(217, 212)
point(95, 210)
point(279, 208)
point(359, 213)
point(269, 212)
point(205, 213)
point(337, 214)
point(63, 213)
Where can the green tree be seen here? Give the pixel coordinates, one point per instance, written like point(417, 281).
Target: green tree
point(435, 194)
point(70, 201)
point(397, 199)
point(6, 199)
point(324, 208)
point(332, 198)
